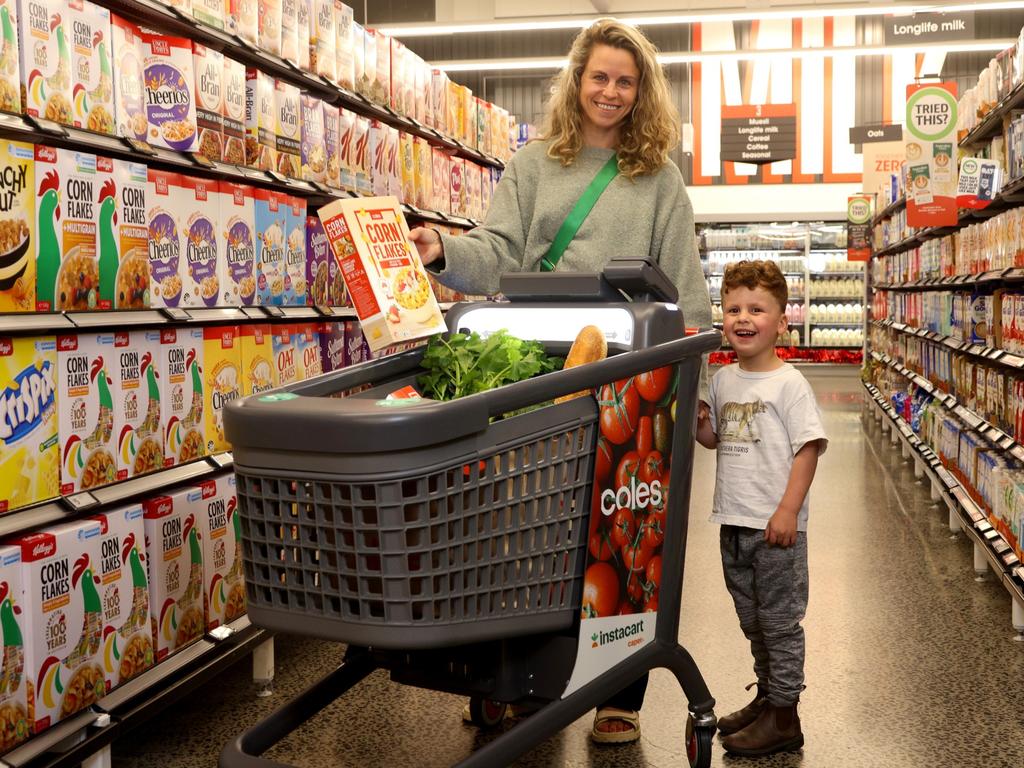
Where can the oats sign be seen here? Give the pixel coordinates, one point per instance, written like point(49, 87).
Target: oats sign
point(930, 143)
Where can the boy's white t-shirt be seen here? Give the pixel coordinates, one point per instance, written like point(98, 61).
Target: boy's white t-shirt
point(762, 419)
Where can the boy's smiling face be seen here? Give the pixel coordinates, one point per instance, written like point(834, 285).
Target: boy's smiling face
point(753, 321)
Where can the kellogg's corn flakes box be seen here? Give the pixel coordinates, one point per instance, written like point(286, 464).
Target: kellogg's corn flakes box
point(238, 231)
point(10, 82)
point(204, 248)
point(17, 222)
point(129, 104)
point(130, 180)
point(222, 552)
point(92, 66)
point(259, 368)
point(44, 32)
point(14, 693)
point(222, 380)
point(272, 211)
point(137, 396)
point(182, 402)
point(165, 207)
point(170, 92)
point(286, 351)
point(124, 594)
point(63, 620)
point(29, 452)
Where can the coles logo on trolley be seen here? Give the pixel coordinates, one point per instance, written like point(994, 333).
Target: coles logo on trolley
point(633, 496)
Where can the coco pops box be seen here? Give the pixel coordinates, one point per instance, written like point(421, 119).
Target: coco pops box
point(17, 223)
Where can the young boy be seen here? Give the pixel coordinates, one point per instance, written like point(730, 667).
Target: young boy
point(765, 423)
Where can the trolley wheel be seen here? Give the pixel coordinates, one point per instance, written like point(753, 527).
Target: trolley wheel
point(698, 744)
point(486, 713)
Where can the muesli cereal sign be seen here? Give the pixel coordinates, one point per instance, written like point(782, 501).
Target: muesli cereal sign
point(930, 142)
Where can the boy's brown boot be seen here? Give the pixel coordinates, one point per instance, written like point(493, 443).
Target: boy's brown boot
point(776, 729)
point(740, 719)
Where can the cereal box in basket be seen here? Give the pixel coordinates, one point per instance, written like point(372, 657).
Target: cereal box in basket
point(124, 594)
point(14, 694)
point(318, 261)
point(295, 287)
point(164, 209)
point(314, 149)
point(169, 83)
point(234, 112)
point(222, 380)
point(383, 273)
point(181, 380)
point(209, 75)
point(222, 552)
point(129, 101)
point(137, 412)
point(28, 421)
point(260, 121)
point(87, 365)
point(204, 247)
point(17, 221)
point(91, 66)
point(130, 181)
point(62, 620)
point(237, 229)
point(174, 551)
point(272, 211)
point(259, 370)
point(45, 48)
point(286, 346)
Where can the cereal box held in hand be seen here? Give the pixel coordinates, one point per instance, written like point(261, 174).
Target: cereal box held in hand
point(140, 437)
point(13, 695)
point(17, 222)
point(382, 271)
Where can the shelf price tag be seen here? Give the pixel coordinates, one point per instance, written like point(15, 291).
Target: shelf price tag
point(176, 313)
point(142, 147)
point(82, 500)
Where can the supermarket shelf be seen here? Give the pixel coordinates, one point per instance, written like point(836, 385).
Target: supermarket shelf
point(826, 273)
point(842, 324)
point(799, 251)
point(888, 211)
point(1006, 275)
point(859, 297)
point(978, 351)
point(992, 125)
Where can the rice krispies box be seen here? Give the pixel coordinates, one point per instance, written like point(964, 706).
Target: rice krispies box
point(272, 211)
point(204, 248)
point(43, 44)
point(17, 223)
point(137, 412)
point(296, 288)
point(14, 692)
point(259, 369)
point(318, 261)
point(181, 379)
point(285, 346)
point(124, 594)
point(29, 451)
point(208, 65)
point(174, 555)
point(234, 112)
point(130, 182)
point(164, 208)
point(222, 380)
point(222, 551)
point(129, 100)
point(62, 620)
point(91, 66)
point(169, 82)
point(238, 227)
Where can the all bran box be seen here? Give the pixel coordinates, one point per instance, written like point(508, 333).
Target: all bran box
point(384, 276)
point(169, 82)
point(204, 248)
point(322, 26)
point(272, 212)
point(137, 412)
point(237, 229)
point(92, 66)
point(234, 112)
point(222, 380)
point(222, 551)
point(17, 223)
point(343, 45)
point(260, 121)
point(288, 133)
point(132, 285)
point(29, 452)
point(43, 45)
point(164, 209)
point(14, 691)
point(259, 369)
point(208, 65)
point(129, 99)
point(182, 402)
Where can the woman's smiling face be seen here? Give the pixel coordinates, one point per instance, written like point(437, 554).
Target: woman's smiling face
point(608, 91)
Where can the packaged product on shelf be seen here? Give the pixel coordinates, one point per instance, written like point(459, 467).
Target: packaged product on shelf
point(471, 184)
point(209, 74)
point(362, 158)
point(485, 192)
point(168, 80)
point(62, 617)
point(259, 371)
point(339, 293)
point(128, 185)
point(407, 167)
point(13, 634)
point(204, 247)
point(29, 450)
point(237, 229)
point(87, 366)
point(181, 381)
point(394, 163)
point(353, 343)
point(302, 17)
point(91, 66)
point(260, 120)
point(332, 143)
point(222, 552)
point(377, 150)
point(332, 346)
point(44, 47)
point(295, 286)
point(288, 131)
point(176, 578)
point(343, 44)
point(129, 101)
point(137, 411)
point(234, 112)
point(422, 174)
point(127, 632)
point(387, 283)
point(285, 346)
point(243, 20)
point(440, 180)
point(270, 26)
point(17, 220)
point(322, 36)
point(314, 150)
point(457, 186)
point(213, 13)
point(10, 82)
point(104, 211)
point(469, 116)
point(318, 259)
point(369, 79)
point(164, 214)
point(455, 107)
point(346, 148)
point(290, 30)
point(382, 84)
point(222, 380)
point(396, 96)
point(271, 227)
point(421, 93)
point(358, 57)
point(483, 125)
point(307, 350)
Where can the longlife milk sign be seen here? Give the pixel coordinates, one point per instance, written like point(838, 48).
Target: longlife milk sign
point(930, 142)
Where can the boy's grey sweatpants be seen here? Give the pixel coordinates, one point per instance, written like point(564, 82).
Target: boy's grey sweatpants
point(768, 585)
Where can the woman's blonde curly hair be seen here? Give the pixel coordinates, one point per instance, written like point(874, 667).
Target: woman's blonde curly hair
point(650, 130)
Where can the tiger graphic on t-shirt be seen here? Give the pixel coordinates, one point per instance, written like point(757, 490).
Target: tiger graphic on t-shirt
point(735, 419)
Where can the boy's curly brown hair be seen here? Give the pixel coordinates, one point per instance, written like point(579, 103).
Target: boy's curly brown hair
point(756, 274)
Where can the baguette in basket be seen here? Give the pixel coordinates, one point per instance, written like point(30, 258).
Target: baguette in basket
point(589, 347)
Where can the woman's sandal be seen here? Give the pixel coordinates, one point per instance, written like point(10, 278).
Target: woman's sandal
point(606, 714)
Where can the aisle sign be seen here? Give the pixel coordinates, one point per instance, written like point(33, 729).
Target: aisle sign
point(929, 28)
point(978, 184)
point(858, 227)
point(930, 142)
point(759, 133)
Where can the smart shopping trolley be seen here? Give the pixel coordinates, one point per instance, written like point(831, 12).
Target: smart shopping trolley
point(534, 559)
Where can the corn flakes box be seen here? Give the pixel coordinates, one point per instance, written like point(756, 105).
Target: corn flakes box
point(366, 83)
point(44, 34)
point(361, 157)
point(440, 180)
point(129, 102)
point(130, 182)
point(92, 66)
point(243, 20)
point(259, 368)
point(270, 26)
point(169, 82)
point(29, 453)
point(285, 348)
point(332, 117)
point(288, 134)
point(62, 616)
point(234, 112)
point(210, 12)
point(290, 30)
point(127, 648)
point(314, 150)
point(164, 208)
point(318, 260)
point(454, 114)
point(14, 696)
point(182, 402)
point(272, 211)
point(208, 65)
point(17, 222)
point(10, 82)
point(260, 120)
point(307, 350)
point(332, 346)
point(174, 554)
point(222, 380)
point(204, 248)
point(137, 412)
point(238, 226)
point(221, 530)
point(381, 88)
point(322, 39)
point(296, 289)
point(343, 45)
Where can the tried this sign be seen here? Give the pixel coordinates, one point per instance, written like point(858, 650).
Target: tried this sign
point(930, 142)
point(759, 133)
point(929, 28)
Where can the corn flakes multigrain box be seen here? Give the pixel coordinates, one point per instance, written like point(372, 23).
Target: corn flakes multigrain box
point(63, 620)
point(314, 150)
point(237, 230)
point(17, 222)
point(169, 85)
point(222, 380)
point(272, 211)
point(129, 101)
point(131, 290)
point(285, 347)
point(137, 412)
point(127, 648)
point(14, 694)
point(289, 131)
point(164, 209)
point(91, 66)
point(234, 112)
point(259, 369)
point(208, 65)
point(296, 289)
point(44, 47)
point(204, 247)
point(181, 381)
point(322, 34)
point(222, 551)
point(260, 120)
point(29, 451)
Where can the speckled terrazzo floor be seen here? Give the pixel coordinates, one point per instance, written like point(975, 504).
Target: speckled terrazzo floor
point(910, 661)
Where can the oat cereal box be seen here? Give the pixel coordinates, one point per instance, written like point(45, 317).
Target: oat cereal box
point(237, 230)
point(234, 112)
point(318, 260)
point(322, 35)
point(62, 619)
point(285, 346)
point(164, 209)
point(168, 80)
point(210, 12)
point(361, 157)
point(290, 31)
point(10, 82)
point(295, 287)
point(369, 78)
point(129, 102)
point(332, 143)
point(302, 16)
point(260, 120)
point(259, 369)
point(270, 26)
point(209, 73)
point(272, 211)
point(222, 552)
point(185, 6)
point(407, 167)
point(127, 648)
point(29, 451)
point(87, 367)
point(127, 189)
point(307, 350)
point(332, 346)
point(222, 380)
point(174, 554)
point(17, 221)
point(44, 46)
point(347, 133)
point(181, 381)
point(204, 248)
point(137, 412)
point(314, 150)
point(343, 44)
point(440, 180)
point(243, 20)
point(14, 694)
point(91, 66)
point(358, 56)
point(384, 275)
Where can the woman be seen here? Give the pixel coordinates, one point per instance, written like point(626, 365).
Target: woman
point(612, 98)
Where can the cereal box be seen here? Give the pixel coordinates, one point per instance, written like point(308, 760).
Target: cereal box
point(307, 350)
point(17, 220)
point(210, 12)
point(353, 343)
point(10, 83)
point(285, 346)
point(440, 180)
point(87, 366)
point(454, 116)
point(295, 287)
point(234, 112)
point(260, 120)
point(396, 97)
point(314, 150)
point(222, 380)
point(322, 34)
point(259, 369)
point(457, 170)
point(483, 125)
point(358, 56)
point(421, 92)
point(243, 20)
point(43, 45)
point(485, 191)
point(126, 191)
point(361, 156)
point(209, 74)
point(347, 132)
point(137, 412)
point(164, 208)
point(318, 259)
point(343, 42)
point(169, 86)
point(104, 208)
point(439, 99)
point(290, 31)
point(129, 101)
point(469, 107)
point(332, 143)
point(272, 212)
point(407, 167)
point(29, 452)
point(382, 84)
point(204, 248)
point(238, 224)
point(14, 695)
point(91, 66)
point(185, 6)
point(302, 16)
point(384, 276)
point(62, 619)
point(222, 552)
point(369, 78)
point(270, 26)
point(124, 594)
point(174, 552)
point(332, 346)
point(471, 180)
point(377, 151)
point(181, 380)
point(394, 163)
point(422, 173)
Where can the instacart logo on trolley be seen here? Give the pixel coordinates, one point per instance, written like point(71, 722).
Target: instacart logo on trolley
point(634, 631)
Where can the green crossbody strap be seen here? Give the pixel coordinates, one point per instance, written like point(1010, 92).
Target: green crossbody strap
point(579, 213)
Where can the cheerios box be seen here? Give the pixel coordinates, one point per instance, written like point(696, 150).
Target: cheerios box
point(169, 82)
point(165, 207)
point(87, 367)
point(383, 273)
point(62, 615)
point(182, 402)
point(204, 246)
point(127, 648)
point(272, 210)
point(259, 368)
point(44, 34)
point(238, 231)
point(137, 396)
point(221, 530)
point(286, 351)
point(296, 288)
point(92, 66)
point(132, 284)
point(174, 559)
point(222, 380)
point(17, 223)
point(14, 692)
point(29, 451)
point(129, 102)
